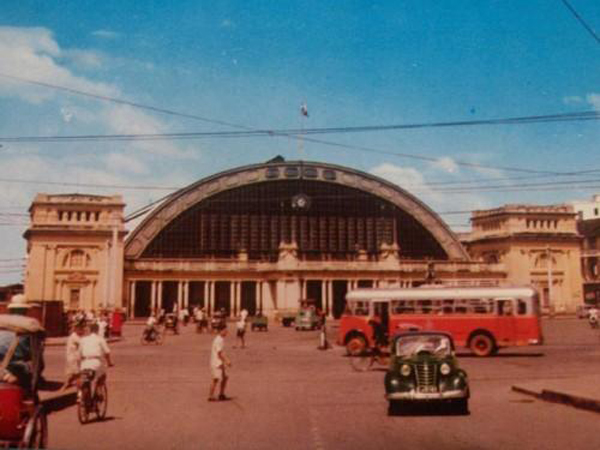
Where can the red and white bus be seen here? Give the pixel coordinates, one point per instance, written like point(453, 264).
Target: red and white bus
point(479, 318)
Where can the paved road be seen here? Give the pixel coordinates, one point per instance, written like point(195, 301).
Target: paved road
point(288, 394)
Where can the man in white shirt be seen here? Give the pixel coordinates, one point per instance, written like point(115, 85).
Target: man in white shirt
point(218, 362)
point(94, 350)
point(73, 355)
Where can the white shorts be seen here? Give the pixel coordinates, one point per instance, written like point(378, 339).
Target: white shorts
point(217, 373)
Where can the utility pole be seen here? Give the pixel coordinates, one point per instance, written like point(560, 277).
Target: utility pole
point(549, 267)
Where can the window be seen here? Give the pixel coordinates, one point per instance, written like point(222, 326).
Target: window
point(272, 172)
point(74, 298)
point(77, 258)
point(521, 307)
point(292, 172)
point(310, 172)
point(329, 175)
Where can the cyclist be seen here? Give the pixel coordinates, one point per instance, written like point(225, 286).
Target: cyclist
point(379, 332)
point(94, 350)
point(150, 330)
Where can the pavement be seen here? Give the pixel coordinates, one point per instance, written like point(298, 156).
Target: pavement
point(581, 392)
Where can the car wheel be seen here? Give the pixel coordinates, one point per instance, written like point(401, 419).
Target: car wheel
point(356, 345)
point(482, 345)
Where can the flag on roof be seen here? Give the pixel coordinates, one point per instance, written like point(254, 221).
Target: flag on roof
point(304, 110)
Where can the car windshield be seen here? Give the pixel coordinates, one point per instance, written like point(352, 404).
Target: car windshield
point(438, 345)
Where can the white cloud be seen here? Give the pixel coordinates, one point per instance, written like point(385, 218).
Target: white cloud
point(433, 196)
point(594, 100)
point(106, 34)
point(119, 162)
point(84, 58)
point(446, 164)
point(572, 100)
point(32, 53)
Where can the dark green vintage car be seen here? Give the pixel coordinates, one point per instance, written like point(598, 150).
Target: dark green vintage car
point(424, 369)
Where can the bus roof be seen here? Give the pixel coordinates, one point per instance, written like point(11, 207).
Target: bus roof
point(432, 293)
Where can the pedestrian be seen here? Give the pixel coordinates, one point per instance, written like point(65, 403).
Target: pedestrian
point(103, 326)
point(73, 356)
point(218, 363)
point(241, 331)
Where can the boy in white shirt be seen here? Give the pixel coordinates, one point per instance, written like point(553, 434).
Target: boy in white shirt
point(218, 362)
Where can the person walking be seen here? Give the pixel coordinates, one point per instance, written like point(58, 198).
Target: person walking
point(218, 363)
point(73, 356)
point(241, 330)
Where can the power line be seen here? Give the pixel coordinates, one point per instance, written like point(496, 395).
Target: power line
point(121, 101)
point(581, 21)
point(300, 133)
point(563, 117)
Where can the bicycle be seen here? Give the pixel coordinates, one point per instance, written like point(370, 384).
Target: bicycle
point(96, 402)
point(364, 360)
point(155, 336)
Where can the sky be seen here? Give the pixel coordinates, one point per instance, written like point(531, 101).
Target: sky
point(253, 64)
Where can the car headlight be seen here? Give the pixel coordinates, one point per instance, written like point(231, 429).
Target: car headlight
point(445, 369)
point(405, 370)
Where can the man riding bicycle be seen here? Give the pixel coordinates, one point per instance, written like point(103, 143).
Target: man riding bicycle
point(94, 350)
point(150, 330)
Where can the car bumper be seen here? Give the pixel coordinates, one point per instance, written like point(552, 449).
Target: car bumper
point(415, 395)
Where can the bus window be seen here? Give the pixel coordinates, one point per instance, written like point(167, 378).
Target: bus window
point(360, 308)
point(521, 307)
point(505, 307)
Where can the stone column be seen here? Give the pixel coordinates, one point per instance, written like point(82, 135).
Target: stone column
point(153, 297)
point(258, 288)
point(160, 294)
point(186, 294)
point(132, 285)
point(303, 283)
point(206, 297)
point(179, 295)
point(212, 295)
point(330, 298)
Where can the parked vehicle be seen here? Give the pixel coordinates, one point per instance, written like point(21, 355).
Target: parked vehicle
point(23, 419)
point(424, 369)
point(481, 319)
point(307, 319)
point(259, 322)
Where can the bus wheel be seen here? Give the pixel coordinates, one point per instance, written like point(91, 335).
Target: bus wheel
point(482, 345)
point(356, 345)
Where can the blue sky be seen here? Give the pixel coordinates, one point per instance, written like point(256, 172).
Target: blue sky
point(254, 63)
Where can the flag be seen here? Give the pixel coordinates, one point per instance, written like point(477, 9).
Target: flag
point(304, 110)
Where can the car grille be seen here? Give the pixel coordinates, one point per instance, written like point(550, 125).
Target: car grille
point(426, 376)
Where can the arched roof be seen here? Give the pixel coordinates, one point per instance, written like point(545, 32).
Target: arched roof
point(187, 197)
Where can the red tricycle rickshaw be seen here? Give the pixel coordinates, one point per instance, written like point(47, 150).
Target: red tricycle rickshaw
point(23, 419)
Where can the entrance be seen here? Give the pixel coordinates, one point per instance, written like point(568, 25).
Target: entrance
point(223, 296)
point(169, 295)
point(142, 299)
point(314, 292)
point(340, 288)
point(196, 294)
point(248, 297)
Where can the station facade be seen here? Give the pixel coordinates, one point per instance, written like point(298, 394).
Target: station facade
point(265, 237)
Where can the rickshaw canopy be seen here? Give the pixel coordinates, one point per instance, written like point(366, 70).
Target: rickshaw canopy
point(20, 324)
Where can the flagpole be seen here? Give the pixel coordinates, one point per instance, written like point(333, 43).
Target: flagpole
point(303, 117)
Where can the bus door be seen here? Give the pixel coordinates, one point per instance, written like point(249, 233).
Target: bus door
point(507, 322)
point(381, 311)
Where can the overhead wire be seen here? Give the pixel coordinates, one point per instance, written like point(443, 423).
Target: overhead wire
point(300, 134)
point(582, 21)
